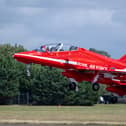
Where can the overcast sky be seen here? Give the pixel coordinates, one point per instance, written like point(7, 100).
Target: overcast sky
point(99, 24)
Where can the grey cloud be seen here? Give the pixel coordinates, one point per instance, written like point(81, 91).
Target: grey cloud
point(67, 3)
point(87, 23)
point(120, 17)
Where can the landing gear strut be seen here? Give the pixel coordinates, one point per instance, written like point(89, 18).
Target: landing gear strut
point(28, 70)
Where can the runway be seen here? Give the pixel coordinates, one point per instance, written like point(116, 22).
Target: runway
point(30, 124)
point(55, 125)
point(25, 124)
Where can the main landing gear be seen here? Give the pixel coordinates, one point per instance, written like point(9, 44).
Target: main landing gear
point(73, 85)
point(95, 86)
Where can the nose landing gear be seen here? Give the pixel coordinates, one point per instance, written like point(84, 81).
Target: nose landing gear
point(28, 70)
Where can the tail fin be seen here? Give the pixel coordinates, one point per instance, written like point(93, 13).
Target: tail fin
point(123, 59)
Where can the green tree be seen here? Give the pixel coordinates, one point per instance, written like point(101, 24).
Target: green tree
point(85, 95)
point(9, 72)
point(100, 52)
point(48, 86)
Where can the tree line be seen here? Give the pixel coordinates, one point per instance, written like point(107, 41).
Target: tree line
point(45, 86)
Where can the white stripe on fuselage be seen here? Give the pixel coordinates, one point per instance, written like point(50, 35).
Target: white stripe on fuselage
point(121, 70)
point(50, 59)
point(63, 61)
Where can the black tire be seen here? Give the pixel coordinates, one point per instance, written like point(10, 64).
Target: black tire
point(95, 87)
point(114, 99)
point(72, 86)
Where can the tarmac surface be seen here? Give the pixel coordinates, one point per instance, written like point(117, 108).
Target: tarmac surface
point(30, 124)
point(57, 123)
point(4, 124)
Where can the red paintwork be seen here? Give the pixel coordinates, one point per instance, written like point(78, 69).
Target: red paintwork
point(82, 65)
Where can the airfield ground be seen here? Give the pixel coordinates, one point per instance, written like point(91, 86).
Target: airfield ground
point(101, 115)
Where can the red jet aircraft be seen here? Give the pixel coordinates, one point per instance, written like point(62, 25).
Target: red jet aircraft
point(79, 65)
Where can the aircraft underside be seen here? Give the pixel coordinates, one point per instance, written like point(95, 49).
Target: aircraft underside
point(113, 85)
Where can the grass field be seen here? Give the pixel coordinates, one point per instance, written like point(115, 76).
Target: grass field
point(73, 114)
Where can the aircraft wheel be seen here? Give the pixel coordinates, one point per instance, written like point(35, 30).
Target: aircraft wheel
point(95, 87)
point(72, 86)
point(114, 99)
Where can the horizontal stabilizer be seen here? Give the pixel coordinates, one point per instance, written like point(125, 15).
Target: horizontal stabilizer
point(119, 90)
point(123, 59)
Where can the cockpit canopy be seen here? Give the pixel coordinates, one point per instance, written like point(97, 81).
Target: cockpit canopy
point(56, 47)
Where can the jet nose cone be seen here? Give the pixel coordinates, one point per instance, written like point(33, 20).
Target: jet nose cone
point(24, 57)
point(20, 58)
point(16, 56)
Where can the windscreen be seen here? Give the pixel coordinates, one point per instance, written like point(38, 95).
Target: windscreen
point(56, 48)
